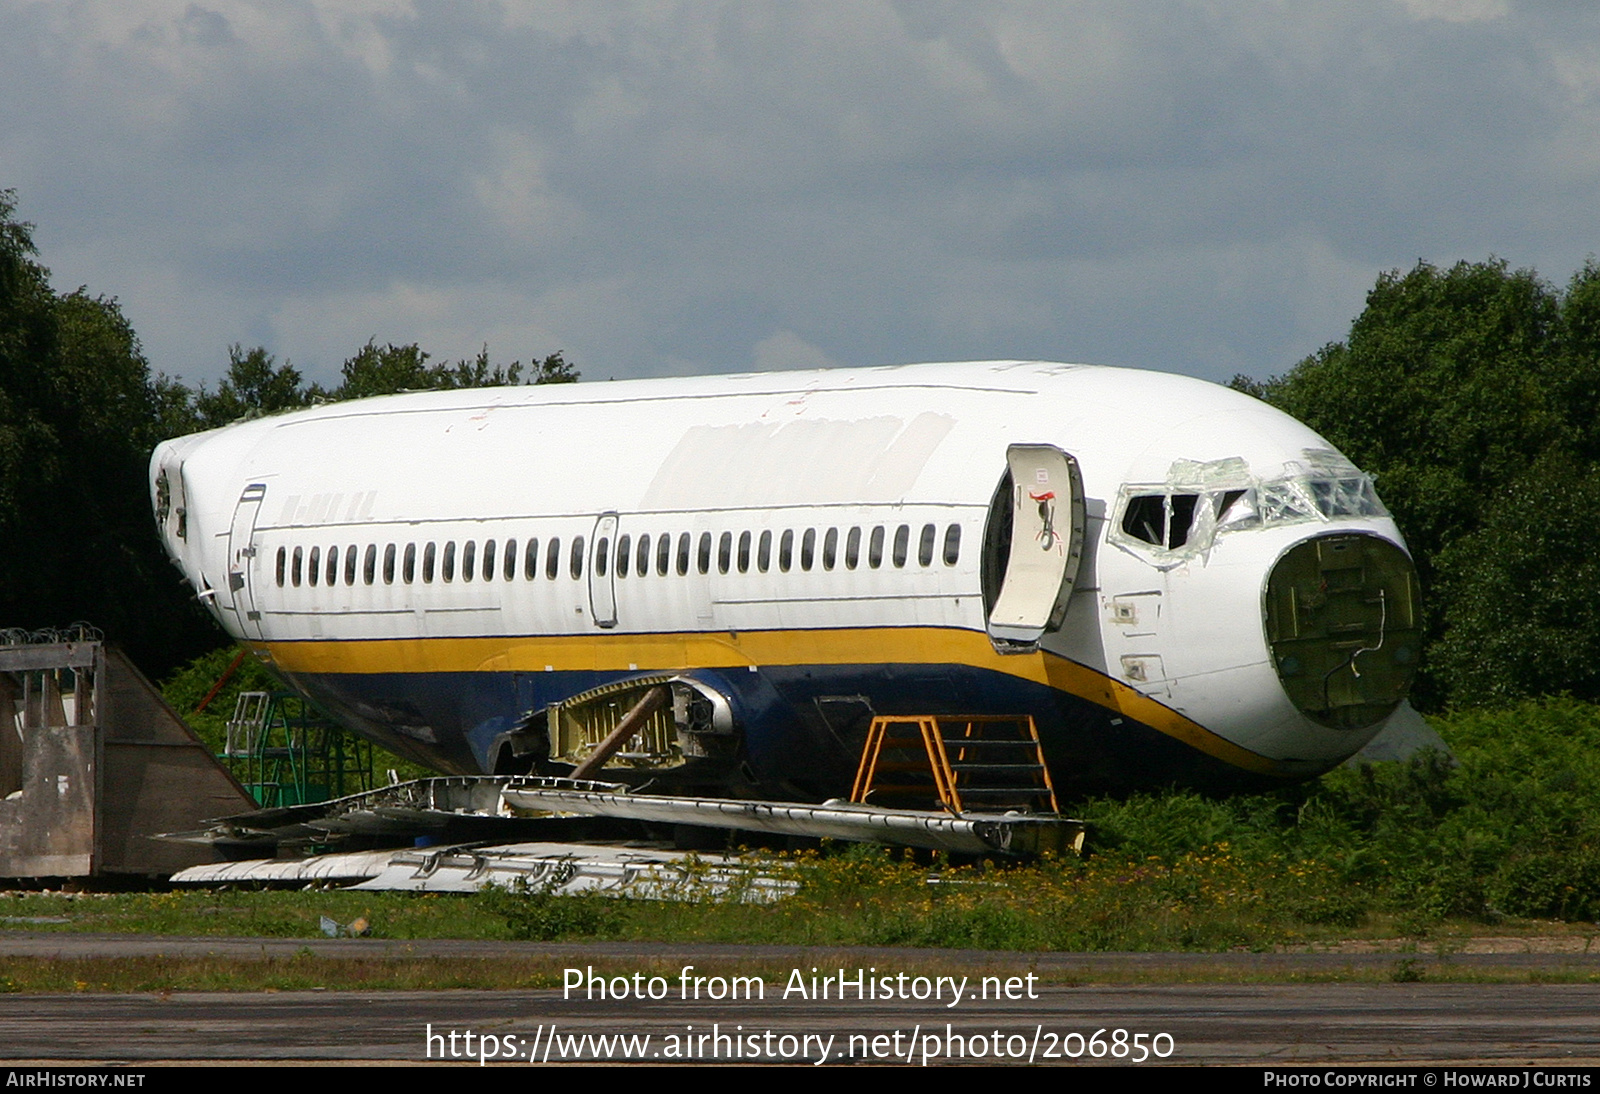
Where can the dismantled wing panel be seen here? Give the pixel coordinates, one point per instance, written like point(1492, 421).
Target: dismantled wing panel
point(1046, 541)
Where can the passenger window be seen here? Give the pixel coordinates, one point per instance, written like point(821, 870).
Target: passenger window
point(428, 556)
point(530, 560)
point(703, 556)
point(875, 548)
point(283, 564)
point(408, 566)
point(952, 544)
point(852, 549)
point(724, 552)
point(314, 568)
point(350, 564)
point(744, 552)
point(447, 566)
point(683, 553)
point(469, 557)
point(388, 565)
point(575, 563)
point(786, 550)
point(488, 560)
point(552, 558)
point(624, 550)
point(808, 548)
point(510, 554)
point(294, 568)
point(925, 545)
point(602, 549)
point(369, 565)
point(641, 562)
point(902, 544)
point(764, 552)
point(830, 548)
point(331, 576)
point(663, 553)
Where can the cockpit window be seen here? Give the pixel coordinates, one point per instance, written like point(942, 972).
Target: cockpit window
point(1202, 500)
point(1162, 520)
point(1348, 497)
point(163, 497)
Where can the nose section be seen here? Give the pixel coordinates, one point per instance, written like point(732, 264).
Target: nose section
point(168, 497)
point(1344, 627)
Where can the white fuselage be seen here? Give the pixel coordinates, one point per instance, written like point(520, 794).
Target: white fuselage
point(1167, 636)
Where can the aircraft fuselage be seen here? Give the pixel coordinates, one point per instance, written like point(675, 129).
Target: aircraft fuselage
point(1180, 583)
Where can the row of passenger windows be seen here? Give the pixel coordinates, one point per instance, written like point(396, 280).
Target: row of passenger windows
point(483, 561)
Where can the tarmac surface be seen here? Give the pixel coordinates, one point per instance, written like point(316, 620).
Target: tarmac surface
point(1518, 1024)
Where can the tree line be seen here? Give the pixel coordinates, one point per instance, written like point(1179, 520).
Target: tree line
point(1473, 395)
point(80, 412)
point(256, 383)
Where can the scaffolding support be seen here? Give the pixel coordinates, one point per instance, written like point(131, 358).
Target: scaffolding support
point(285, 751)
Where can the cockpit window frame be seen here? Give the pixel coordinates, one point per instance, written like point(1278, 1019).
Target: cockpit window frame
point(1201, 501)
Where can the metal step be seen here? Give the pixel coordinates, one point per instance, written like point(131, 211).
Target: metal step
point(968, 756)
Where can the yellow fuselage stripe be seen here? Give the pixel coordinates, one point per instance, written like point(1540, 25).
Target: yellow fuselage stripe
point(681, 652)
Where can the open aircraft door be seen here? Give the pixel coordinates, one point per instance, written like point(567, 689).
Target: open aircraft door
point(242, 559)
point(602, 568)
point(1032, 545)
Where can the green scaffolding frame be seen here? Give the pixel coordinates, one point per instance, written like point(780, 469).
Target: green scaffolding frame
point(285, 750)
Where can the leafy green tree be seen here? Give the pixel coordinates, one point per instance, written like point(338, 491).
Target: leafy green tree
point(1517, 597)
point(1443, 389)
point(391, 369)
point(1471, 393)
point(554, 369)
point(1577, 388)
point(255, 384)
point(79, 413)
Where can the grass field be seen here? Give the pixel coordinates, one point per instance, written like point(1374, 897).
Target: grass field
point(1505, 839)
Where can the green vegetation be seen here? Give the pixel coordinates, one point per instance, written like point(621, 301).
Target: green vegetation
point(1506, 833)
point(1473, 394)
point(257, 384)
point(188, 688)
point(304, 971)
point(249, 914)
point(1503, 841)
point(540, 913)
point(80, 412)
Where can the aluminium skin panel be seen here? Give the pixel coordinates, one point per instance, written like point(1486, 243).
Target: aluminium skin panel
point(862, 448)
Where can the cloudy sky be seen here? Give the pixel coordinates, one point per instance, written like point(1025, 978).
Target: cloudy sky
point(1206, 187)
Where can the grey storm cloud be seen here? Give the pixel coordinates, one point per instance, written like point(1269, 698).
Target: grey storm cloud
point(657, 188)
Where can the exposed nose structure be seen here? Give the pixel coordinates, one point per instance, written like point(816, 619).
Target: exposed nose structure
point(1343, 623)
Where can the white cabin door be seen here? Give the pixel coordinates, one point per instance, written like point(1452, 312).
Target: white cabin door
point(602, 571)
point(1032, 545)
point(240, 584)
